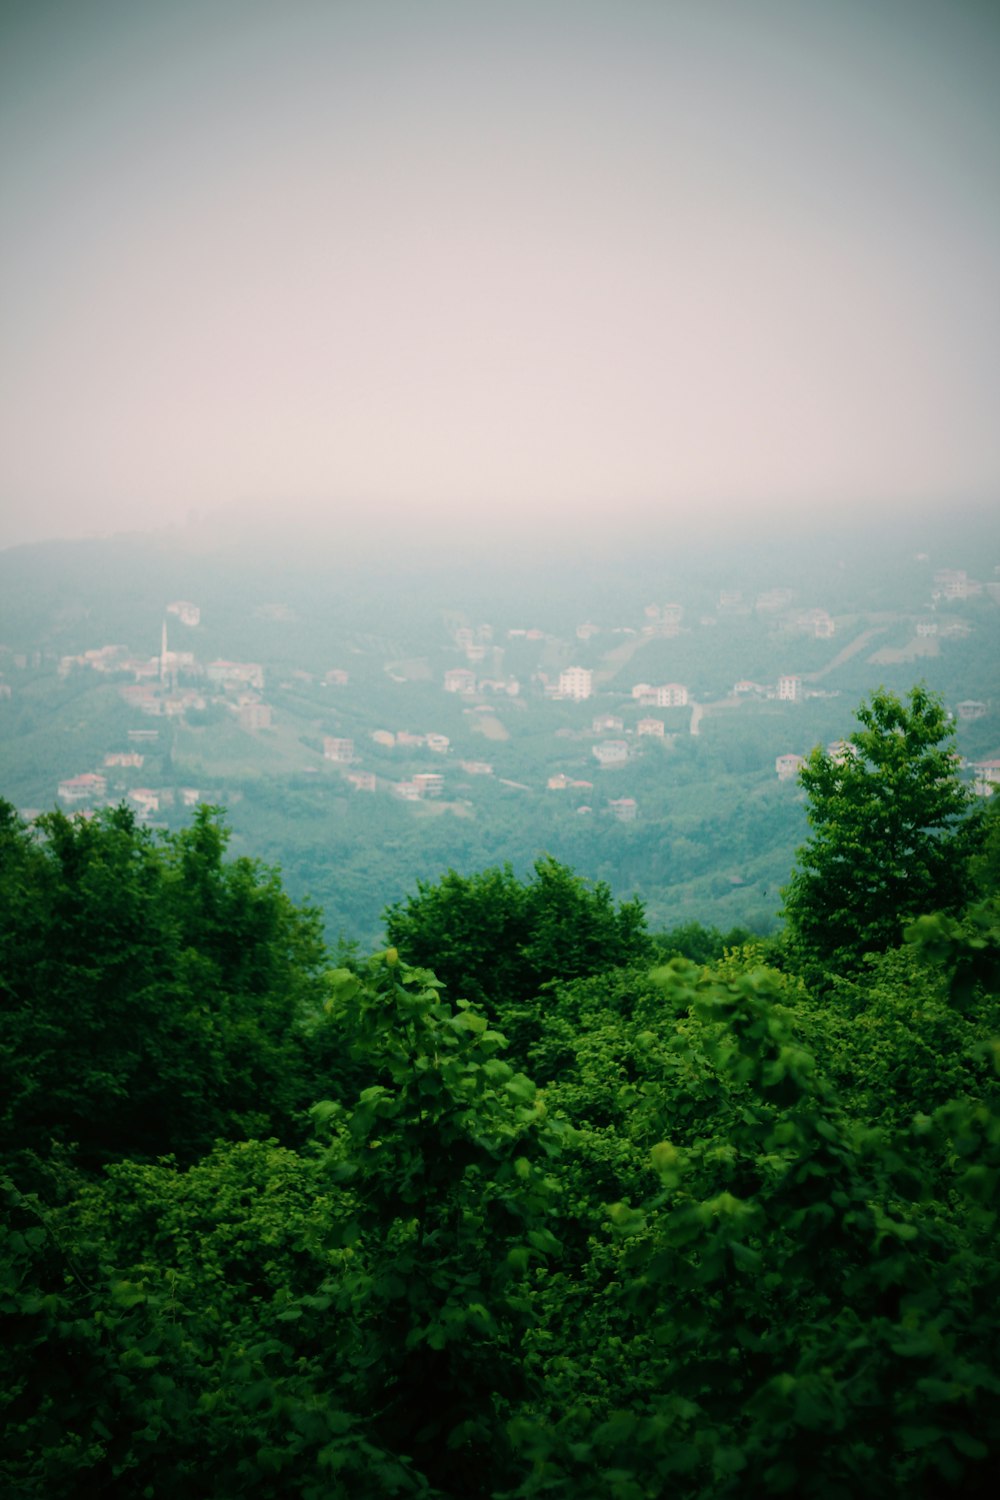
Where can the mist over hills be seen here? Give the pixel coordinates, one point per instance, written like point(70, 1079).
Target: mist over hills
point(693, 817)
point(374, 548)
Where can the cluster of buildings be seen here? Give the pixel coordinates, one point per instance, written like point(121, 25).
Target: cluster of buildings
point(662, 619)
point(167, 685)
point(787, 689)
point(985, 774)
point(954, 583)
point(89, 790)
point(174, 683)
point(577, 685)
point(475, 642)
point(389, 739)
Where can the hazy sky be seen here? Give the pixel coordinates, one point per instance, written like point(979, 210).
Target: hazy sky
point(546, 258)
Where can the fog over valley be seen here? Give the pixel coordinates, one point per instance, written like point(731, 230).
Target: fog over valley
point(636, 705)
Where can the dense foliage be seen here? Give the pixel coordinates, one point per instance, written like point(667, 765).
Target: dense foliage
point(151, 991)
point(570, 1220)
point(493, 939)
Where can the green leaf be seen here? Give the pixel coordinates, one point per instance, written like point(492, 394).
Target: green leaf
point(544, 1240)
point(468, 1020)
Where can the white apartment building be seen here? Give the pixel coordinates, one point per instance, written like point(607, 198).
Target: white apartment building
point(431, 783)
point(576, 683)
point(670, 695)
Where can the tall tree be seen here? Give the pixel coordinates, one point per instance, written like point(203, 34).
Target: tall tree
point(893, 832)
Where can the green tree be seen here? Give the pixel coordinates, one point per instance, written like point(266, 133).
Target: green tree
point(893, 833)
point(151, 992)
point(494, 939)
point(702, 945)
point(453, 1163)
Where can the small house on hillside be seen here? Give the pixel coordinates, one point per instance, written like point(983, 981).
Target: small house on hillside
point(87, 787)
point(610, 753)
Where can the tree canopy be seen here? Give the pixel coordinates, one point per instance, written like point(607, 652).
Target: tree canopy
point(572, 1221)
point(893, 832)
point(495, 939)
point(151, 989)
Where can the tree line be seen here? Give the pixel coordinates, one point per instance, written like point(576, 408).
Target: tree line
point(530, 1203)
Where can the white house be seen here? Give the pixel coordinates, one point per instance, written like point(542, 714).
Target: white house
point(610, 753)
point(85, 788)
point(987, 776)
point(788, 766)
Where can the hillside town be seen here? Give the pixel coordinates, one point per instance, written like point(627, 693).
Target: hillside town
point(618, 717)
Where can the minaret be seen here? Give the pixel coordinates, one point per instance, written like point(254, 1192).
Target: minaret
point(163, 653)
